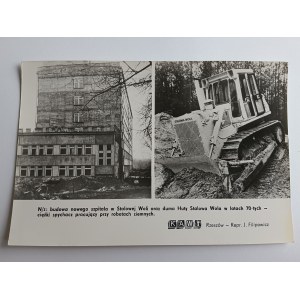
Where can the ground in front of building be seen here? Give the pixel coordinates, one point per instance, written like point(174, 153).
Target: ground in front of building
point(82, 187)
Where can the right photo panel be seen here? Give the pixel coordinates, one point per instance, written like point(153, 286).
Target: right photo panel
point(221, 130)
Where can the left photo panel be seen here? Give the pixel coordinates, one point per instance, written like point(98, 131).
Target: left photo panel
point(84, 131)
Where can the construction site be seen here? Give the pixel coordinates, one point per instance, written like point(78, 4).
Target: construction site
point(229, 147)
point(81, 145)
point(272, 182)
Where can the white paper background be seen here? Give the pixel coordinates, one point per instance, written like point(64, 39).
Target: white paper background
point(12, 51)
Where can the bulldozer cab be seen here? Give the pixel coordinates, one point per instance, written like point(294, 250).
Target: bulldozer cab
point(237, 91)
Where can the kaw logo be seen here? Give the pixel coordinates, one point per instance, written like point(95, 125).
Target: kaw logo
point(184, 224)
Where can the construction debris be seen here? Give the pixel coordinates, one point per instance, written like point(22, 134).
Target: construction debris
point(82, 187)
point(272, 182)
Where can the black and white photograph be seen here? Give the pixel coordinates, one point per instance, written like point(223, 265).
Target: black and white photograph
point(221, 130)
point(84, 131)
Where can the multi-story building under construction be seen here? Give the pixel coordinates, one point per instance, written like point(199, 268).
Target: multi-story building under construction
point(83, 124)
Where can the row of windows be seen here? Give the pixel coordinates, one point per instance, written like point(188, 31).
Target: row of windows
point(63, 150)
point(40, 171)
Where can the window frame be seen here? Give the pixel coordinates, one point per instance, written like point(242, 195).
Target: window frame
point(41, 148)
point(25, 148)
point(77, 100)
point(71, 169)
point(78, 168)
point(77, 117)
point(22, 169)
point(49, 148)
point(89, 168)
point(64, 147)
point(40, 168)
point(72, 148)
point(48, 168)
point(79, 147)
point(88, 147)
point(62, 168)
point(78, 82)
point(31, 168)
point(34, 150)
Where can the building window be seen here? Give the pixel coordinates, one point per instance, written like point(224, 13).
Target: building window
point(101, 155)
point(41, 150)
point(62, 171)
point(108, 158)
point(78, 100)
point(48, 171)
point(108, 117)
point(79, 150)
point(40, 171)
point(76, 118)
point(71, 171)
point(78, 169)
point(117, 116)
point(25, 150)
point(49, 150)
point(78, 83)
point(108, 155)
point(63, 149)
point(88, 149)
point(88, 170)
point(23, 171)
point(72, 150)
point(32, 171)
point(33, 150)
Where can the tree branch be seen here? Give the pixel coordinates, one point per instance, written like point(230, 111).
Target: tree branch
point(115, 85)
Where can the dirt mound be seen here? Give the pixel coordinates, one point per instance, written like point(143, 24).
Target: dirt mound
point(64, 188)
point(164, 135)
point(192, 183)
point(163, 176)
point(272, 182)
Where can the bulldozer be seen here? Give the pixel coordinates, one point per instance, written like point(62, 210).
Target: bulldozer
point(231, 135)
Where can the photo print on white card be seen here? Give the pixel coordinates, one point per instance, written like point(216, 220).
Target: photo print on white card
point(220, 157)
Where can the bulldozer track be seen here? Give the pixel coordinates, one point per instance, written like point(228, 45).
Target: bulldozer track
point(230, 149)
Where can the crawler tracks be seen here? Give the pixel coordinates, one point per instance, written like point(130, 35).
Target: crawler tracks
point(232, 148)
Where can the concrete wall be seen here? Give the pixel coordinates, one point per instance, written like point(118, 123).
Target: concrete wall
point(56, 92)
point(52, 160)
point(55, 139)
point(65, 139)
point(104, 170)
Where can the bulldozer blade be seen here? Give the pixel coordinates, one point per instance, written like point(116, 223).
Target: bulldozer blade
point(202, 162)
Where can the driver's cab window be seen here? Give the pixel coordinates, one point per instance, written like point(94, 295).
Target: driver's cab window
point(252, 83)
point(244, 86)
point(235, 105)
point(246, 96)
point(210, 94)
point(221, 92)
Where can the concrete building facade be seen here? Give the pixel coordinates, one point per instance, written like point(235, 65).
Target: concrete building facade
point(83, 124)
